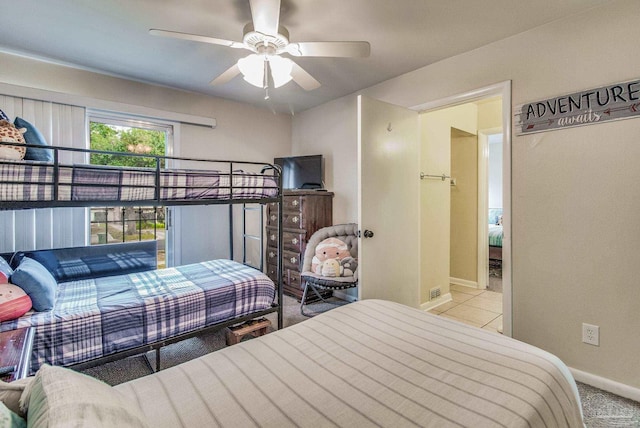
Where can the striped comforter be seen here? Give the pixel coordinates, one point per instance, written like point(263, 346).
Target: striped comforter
point(93, 318)
point(370, 363)
point(35, 181)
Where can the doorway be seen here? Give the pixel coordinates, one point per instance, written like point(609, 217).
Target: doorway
point(468, 117)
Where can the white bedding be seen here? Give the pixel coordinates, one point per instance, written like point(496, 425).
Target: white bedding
point(369, 363)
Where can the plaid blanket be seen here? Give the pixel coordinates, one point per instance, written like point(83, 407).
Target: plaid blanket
point(93, 318)
point(34, 181)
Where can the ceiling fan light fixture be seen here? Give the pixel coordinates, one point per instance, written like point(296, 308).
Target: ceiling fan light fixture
point(280, 70)
point(252, 69)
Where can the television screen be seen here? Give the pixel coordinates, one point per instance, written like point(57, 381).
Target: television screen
point(301, 172)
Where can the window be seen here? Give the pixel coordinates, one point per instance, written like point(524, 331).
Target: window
point(128, 223)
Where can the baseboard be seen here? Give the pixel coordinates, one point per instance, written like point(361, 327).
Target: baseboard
point(605, 384)
point(344, 296)
point(464, 282)
point(445, 298)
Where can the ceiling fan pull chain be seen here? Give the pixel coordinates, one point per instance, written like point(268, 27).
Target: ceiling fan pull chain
point(266, 80)
point(266, 75)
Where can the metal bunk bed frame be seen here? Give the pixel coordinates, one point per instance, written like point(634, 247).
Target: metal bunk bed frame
point(156, 201)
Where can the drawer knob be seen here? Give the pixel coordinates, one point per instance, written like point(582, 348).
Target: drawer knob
point(272, 254)
point(273, 217)
point(293, 259)
point(272, 237)
point(295, 219)
point(294, 203)
point(294, 241)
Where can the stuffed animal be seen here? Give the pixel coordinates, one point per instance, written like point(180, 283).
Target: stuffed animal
point(348, 266)
point(331, 268)
point(10, 134)
point(14, 302)
point(330, 248)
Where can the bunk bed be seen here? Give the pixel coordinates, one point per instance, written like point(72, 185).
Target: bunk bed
point(81, 330)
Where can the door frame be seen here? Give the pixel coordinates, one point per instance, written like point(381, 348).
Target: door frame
point(483, 201)
point(502, 89)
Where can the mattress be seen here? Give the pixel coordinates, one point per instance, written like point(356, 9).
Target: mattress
point(35, 181)
point(369, 363)
point(495, 235)
point(93, 318)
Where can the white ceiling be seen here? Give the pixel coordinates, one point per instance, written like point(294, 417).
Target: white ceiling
point(111, 36)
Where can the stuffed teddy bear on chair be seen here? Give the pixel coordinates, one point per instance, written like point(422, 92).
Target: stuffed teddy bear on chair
point(10, 134)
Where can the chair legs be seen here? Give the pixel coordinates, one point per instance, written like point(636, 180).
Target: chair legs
point(307, 284)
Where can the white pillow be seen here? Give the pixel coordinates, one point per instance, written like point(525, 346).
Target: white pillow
point(61, 397)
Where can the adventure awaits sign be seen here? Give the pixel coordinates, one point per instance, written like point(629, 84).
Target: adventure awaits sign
point(619, 101)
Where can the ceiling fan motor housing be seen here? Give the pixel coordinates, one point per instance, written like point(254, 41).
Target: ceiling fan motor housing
point(256, 39)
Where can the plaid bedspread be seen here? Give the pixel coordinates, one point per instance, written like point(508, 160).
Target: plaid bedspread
point(97, 317)
point(35, 181)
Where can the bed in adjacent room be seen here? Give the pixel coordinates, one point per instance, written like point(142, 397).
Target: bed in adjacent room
point(495, 233)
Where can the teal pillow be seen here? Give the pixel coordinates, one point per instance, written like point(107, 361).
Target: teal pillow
point(37, 282)
point(33, 136)
point(10, 419)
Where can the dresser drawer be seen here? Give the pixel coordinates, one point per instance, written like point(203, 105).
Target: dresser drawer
point(272, 256)
point(293, 203)
point(291, 260)
point(272, 237)
point(293, 279)
point(272, 272)
point(292, 221)
point(272, 217)
point(291, 240)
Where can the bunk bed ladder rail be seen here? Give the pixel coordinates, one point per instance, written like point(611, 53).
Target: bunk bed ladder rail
point(246, 237)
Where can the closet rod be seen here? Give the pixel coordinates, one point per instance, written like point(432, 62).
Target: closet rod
point(442, 177)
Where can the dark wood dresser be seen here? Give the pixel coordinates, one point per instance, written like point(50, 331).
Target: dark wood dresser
point(303, 212)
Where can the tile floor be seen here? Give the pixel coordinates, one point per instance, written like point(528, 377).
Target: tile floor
point(480, 308)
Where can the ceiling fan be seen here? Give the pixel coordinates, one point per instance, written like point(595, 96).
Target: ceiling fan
point(267, 40)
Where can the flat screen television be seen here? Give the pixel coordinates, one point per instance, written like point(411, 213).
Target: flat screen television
point(301, 172)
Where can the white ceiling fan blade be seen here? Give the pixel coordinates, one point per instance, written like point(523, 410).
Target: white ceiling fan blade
point(266, 16)
point(232, 72)
point(197, 38)
point(329, 49)
point(304, 79)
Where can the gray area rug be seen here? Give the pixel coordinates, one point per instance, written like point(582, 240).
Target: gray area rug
point(137, 366)
point(601, 409)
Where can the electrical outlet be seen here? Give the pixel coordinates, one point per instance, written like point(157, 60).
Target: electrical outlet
point(591, 334)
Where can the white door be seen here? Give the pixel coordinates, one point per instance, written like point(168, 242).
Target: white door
point(389, 202)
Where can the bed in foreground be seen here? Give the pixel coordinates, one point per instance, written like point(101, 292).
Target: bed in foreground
point(370, 363)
